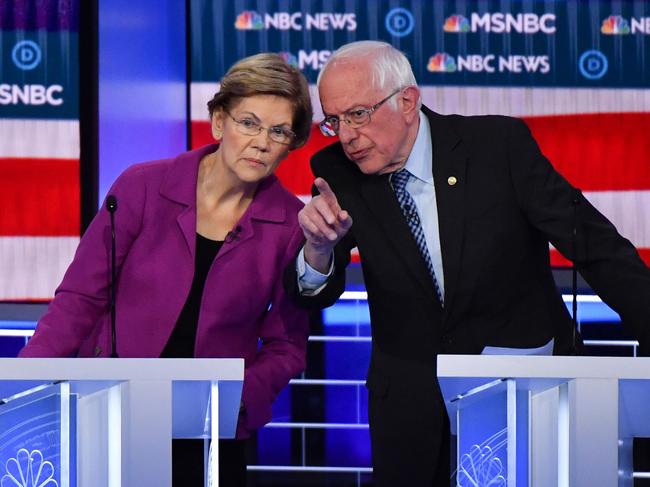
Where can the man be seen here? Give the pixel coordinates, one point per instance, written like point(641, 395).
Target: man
point(452, 217)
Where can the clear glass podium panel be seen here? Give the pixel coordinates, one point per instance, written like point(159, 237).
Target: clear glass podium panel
point(39, 425)
point(492, 436)
point(106, 423)
point(192, 413)
point(38, 438)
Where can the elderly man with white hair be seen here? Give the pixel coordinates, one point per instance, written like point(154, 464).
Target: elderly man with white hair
point(452, 217)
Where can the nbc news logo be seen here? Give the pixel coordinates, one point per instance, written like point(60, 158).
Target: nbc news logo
point(249, 20)
point(441, 62)
point(618, 25)
point(324, 21)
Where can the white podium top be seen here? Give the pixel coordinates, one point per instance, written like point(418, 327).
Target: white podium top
point(502, 366)
point(190, 380)
point(94, 369)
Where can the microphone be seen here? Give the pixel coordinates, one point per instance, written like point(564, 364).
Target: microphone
point(111, 206)
point(233, 235)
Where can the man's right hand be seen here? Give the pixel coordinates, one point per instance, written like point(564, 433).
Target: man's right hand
point(323, 223)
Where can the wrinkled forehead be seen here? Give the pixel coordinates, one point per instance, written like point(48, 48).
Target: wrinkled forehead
point(268, 109)
point(358, 69)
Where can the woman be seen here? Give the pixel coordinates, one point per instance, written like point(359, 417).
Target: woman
point(202, 240)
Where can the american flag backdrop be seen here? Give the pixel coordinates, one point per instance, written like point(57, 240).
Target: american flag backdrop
point(598, 139)
point(39, 145)
point(578, 72)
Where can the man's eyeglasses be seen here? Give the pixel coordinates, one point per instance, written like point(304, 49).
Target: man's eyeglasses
point(250, 126)
point(355, 118)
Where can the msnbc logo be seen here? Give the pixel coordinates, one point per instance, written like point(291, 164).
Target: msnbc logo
point(289, 58)
point(501, 23)
point(456, 23)
point(249, 20)
point(313, 59)
point(615, 25)
point(441, 62)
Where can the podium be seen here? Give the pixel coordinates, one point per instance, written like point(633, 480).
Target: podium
point(545, 421)
point(68, 422)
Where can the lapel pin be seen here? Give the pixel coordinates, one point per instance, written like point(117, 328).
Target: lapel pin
point(451, 180)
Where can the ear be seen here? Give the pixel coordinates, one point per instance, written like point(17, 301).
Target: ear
point(217, 124)
point(409, 100)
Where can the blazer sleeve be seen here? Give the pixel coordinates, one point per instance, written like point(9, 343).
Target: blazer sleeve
point(281, 355)
point(335, 284)
point(82, 298)
point(608, 262)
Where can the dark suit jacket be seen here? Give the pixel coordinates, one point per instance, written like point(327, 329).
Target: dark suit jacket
point(495, 226)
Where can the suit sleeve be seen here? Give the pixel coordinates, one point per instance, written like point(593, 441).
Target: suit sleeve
point(335, 284)
point(82, 298)
point(280, 357)
point(608, 262)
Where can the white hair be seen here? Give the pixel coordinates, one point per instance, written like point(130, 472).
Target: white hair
point(389, 67)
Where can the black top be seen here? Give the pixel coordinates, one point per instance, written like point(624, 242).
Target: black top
point(181, 341)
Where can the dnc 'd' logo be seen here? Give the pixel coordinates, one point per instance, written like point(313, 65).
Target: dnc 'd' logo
point(441, 62)
point(593, 64)
point(399, 22)
point(26, 55)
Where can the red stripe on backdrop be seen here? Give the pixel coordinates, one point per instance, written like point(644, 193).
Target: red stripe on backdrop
point(594, 152)
point(201, 134)
point(558, 260)
point(597, 152)
point(39, 197)
point(294, 172)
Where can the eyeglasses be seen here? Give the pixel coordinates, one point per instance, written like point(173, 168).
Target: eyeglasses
point(252, 127)
point(355, 118)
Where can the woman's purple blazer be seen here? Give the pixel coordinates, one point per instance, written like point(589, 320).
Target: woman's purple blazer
point(244, 310)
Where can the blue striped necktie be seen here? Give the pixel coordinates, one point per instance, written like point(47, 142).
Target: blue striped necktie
point(410, 211)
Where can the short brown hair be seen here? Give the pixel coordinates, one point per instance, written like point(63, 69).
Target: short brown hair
point(267, 74)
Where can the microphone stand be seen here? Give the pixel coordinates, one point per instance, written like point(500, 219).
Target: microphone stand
point(574, 267)
point(111, 206)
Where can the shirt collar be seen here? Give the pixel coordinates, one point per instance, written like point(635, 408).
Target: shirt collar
point(419, 160)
